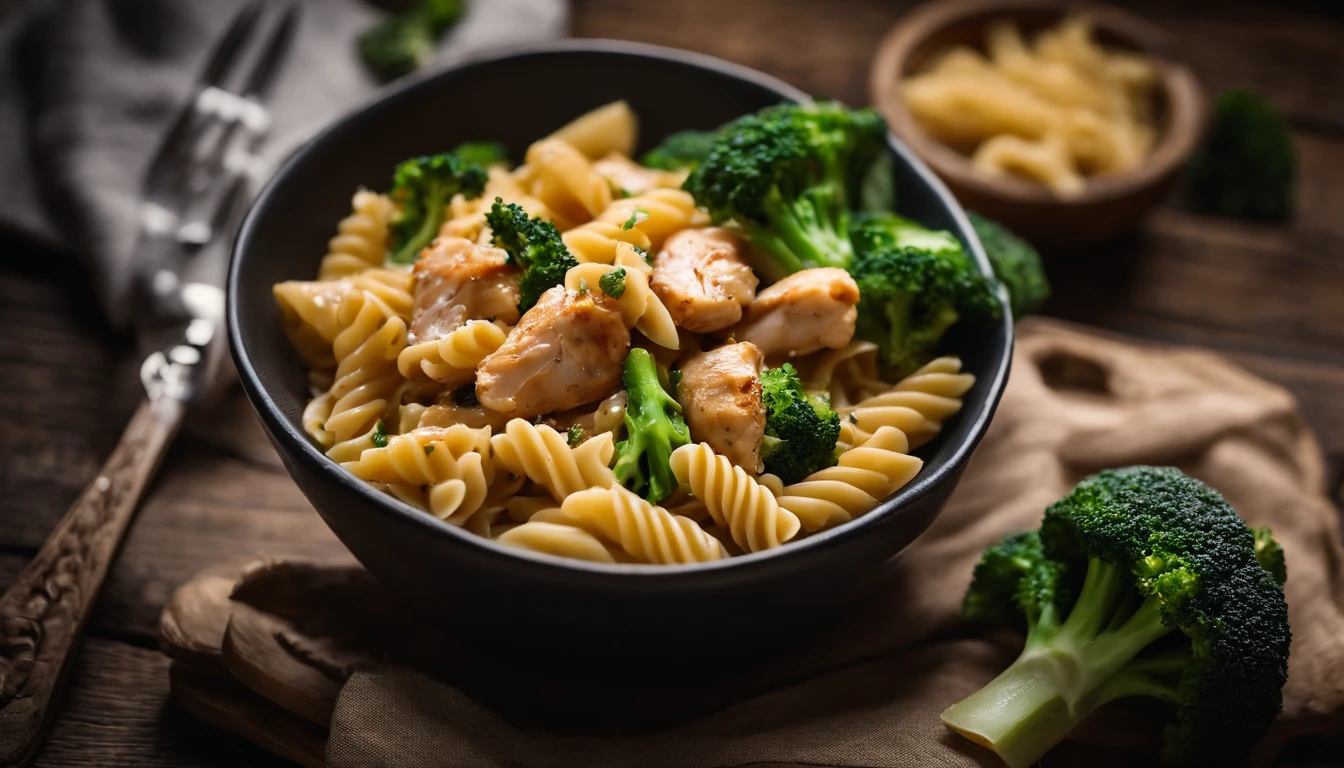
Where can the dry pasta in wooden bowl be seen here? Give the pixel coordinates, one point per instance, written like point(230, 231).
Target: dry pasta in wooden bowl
point(1066, 122)
point(724, 347)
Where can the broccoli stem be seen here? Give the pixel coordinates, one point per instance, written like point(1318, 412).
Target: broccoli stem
point(1069, 669)
point(805, 235)
point(409, 252)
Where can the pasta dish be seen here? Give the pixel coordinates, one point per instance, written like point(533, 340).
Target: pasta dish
point(726, 346)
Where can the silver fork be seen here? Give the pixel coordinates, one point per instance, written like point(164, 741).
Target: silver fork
point(191, 196)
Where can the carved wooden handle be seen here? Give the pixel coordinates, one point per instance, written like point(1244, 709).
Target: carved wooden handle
point(44, 612)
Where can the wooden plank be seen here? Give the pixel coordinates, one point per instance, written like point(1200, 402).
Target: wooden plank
point(208, 508)
point(1248, 289)
point(64, 398)
point(116, 712)
point(826, 50)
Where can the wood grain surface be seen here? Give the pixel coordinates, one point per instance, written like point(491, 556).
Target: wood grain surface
point(1271, 297)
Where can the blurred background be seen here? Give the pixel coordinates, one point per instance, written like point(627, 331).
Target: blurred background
point(89, 85)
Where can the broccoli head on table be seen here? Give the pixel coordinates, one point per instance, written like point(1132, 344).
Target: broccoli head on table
point(1142, 582)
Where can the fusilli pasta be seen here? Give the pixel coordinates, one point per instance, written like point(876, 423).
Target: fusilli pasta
point(559, 540)
point(646, 533)
point(442, 471)
point(566, 182)
point(361, 238)
point(543, 455)
point(452, 360)
point(734, 499)
point(864, 476)
point(661, 213)
point(640, 307)
point(366, 366)
point(917, 405)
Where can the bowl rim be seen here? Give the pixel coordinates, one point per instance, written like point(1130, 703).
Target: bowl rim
point(1185, 100)
point(291, 439)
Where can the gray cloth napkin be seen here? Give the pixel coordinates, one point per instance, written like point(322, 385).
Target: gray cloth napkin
point(88, 87)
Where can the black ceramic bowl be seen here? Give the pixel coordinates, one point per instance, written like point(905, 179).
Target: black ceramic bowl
point(493, 593)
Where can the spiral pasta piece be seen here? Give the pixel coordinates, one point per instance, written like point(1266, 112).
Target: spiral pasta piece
point(361, 238)
point(863, 477)
point(917, 405)
point(442, 471)
point(566, 182)
point(640, 306)
point(849, 374)
point(560, 540)
point(543, 455)
point(647, 533)
point(466, 217)
point(661, 213)
point(597, 241)
point(452, 360)
point(366, 368)
point(310, 310)
point(734, 499)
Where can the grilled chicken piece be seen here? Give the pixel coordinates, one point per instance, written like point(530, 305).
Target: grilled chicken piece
point(457, 280)
point(703, 280)
point(720, 395)
point(802, 313)
point(565, 351)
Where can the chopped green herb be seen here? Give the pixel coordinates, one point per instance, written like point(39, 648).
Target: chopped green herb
point(674, 380)
point(575, 435)
point(380, 434)
point(613, 283)
point(429, 449)
point(636, 216)
point(583, 287)
point(626, 193)
point(645, 253)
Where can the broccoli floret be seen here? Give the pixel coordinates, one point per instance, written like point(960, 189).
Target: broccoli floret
point(1016, 264)
point(422, 186)
point(1246, 165)
point(654, 429)
point(1141, 582)
point(788, 176)
point(681, 150)
point(483, 153)
point(1269, 554)
point(532, 244)
point(800, 429)
point(401, 44)
point(914, 284)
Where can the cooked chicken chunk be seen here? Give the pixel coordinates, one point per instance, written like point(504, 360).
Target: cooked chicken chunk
point(703, 280)
point(720, 395)
point(566, 351)
point(457, 280)
point(802, 313)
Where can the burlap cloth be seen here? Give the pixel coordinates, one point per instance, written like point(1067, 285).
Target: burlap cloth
point(869, 693)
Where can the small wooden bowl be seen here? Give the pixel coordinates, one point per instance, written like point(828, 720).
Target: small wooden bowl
point(1108, 205)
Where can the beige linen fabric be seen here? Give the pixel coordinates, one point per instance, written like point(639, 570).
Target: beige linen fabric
point(870, 692)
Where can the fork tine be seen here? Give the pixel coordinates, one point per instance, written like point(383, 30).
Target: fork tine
point(223, 58)
point(277, 45)
point(226, 51)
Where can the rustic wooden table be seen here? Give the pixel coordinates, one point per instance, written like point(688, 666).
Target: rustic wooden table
point(1269, 297)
